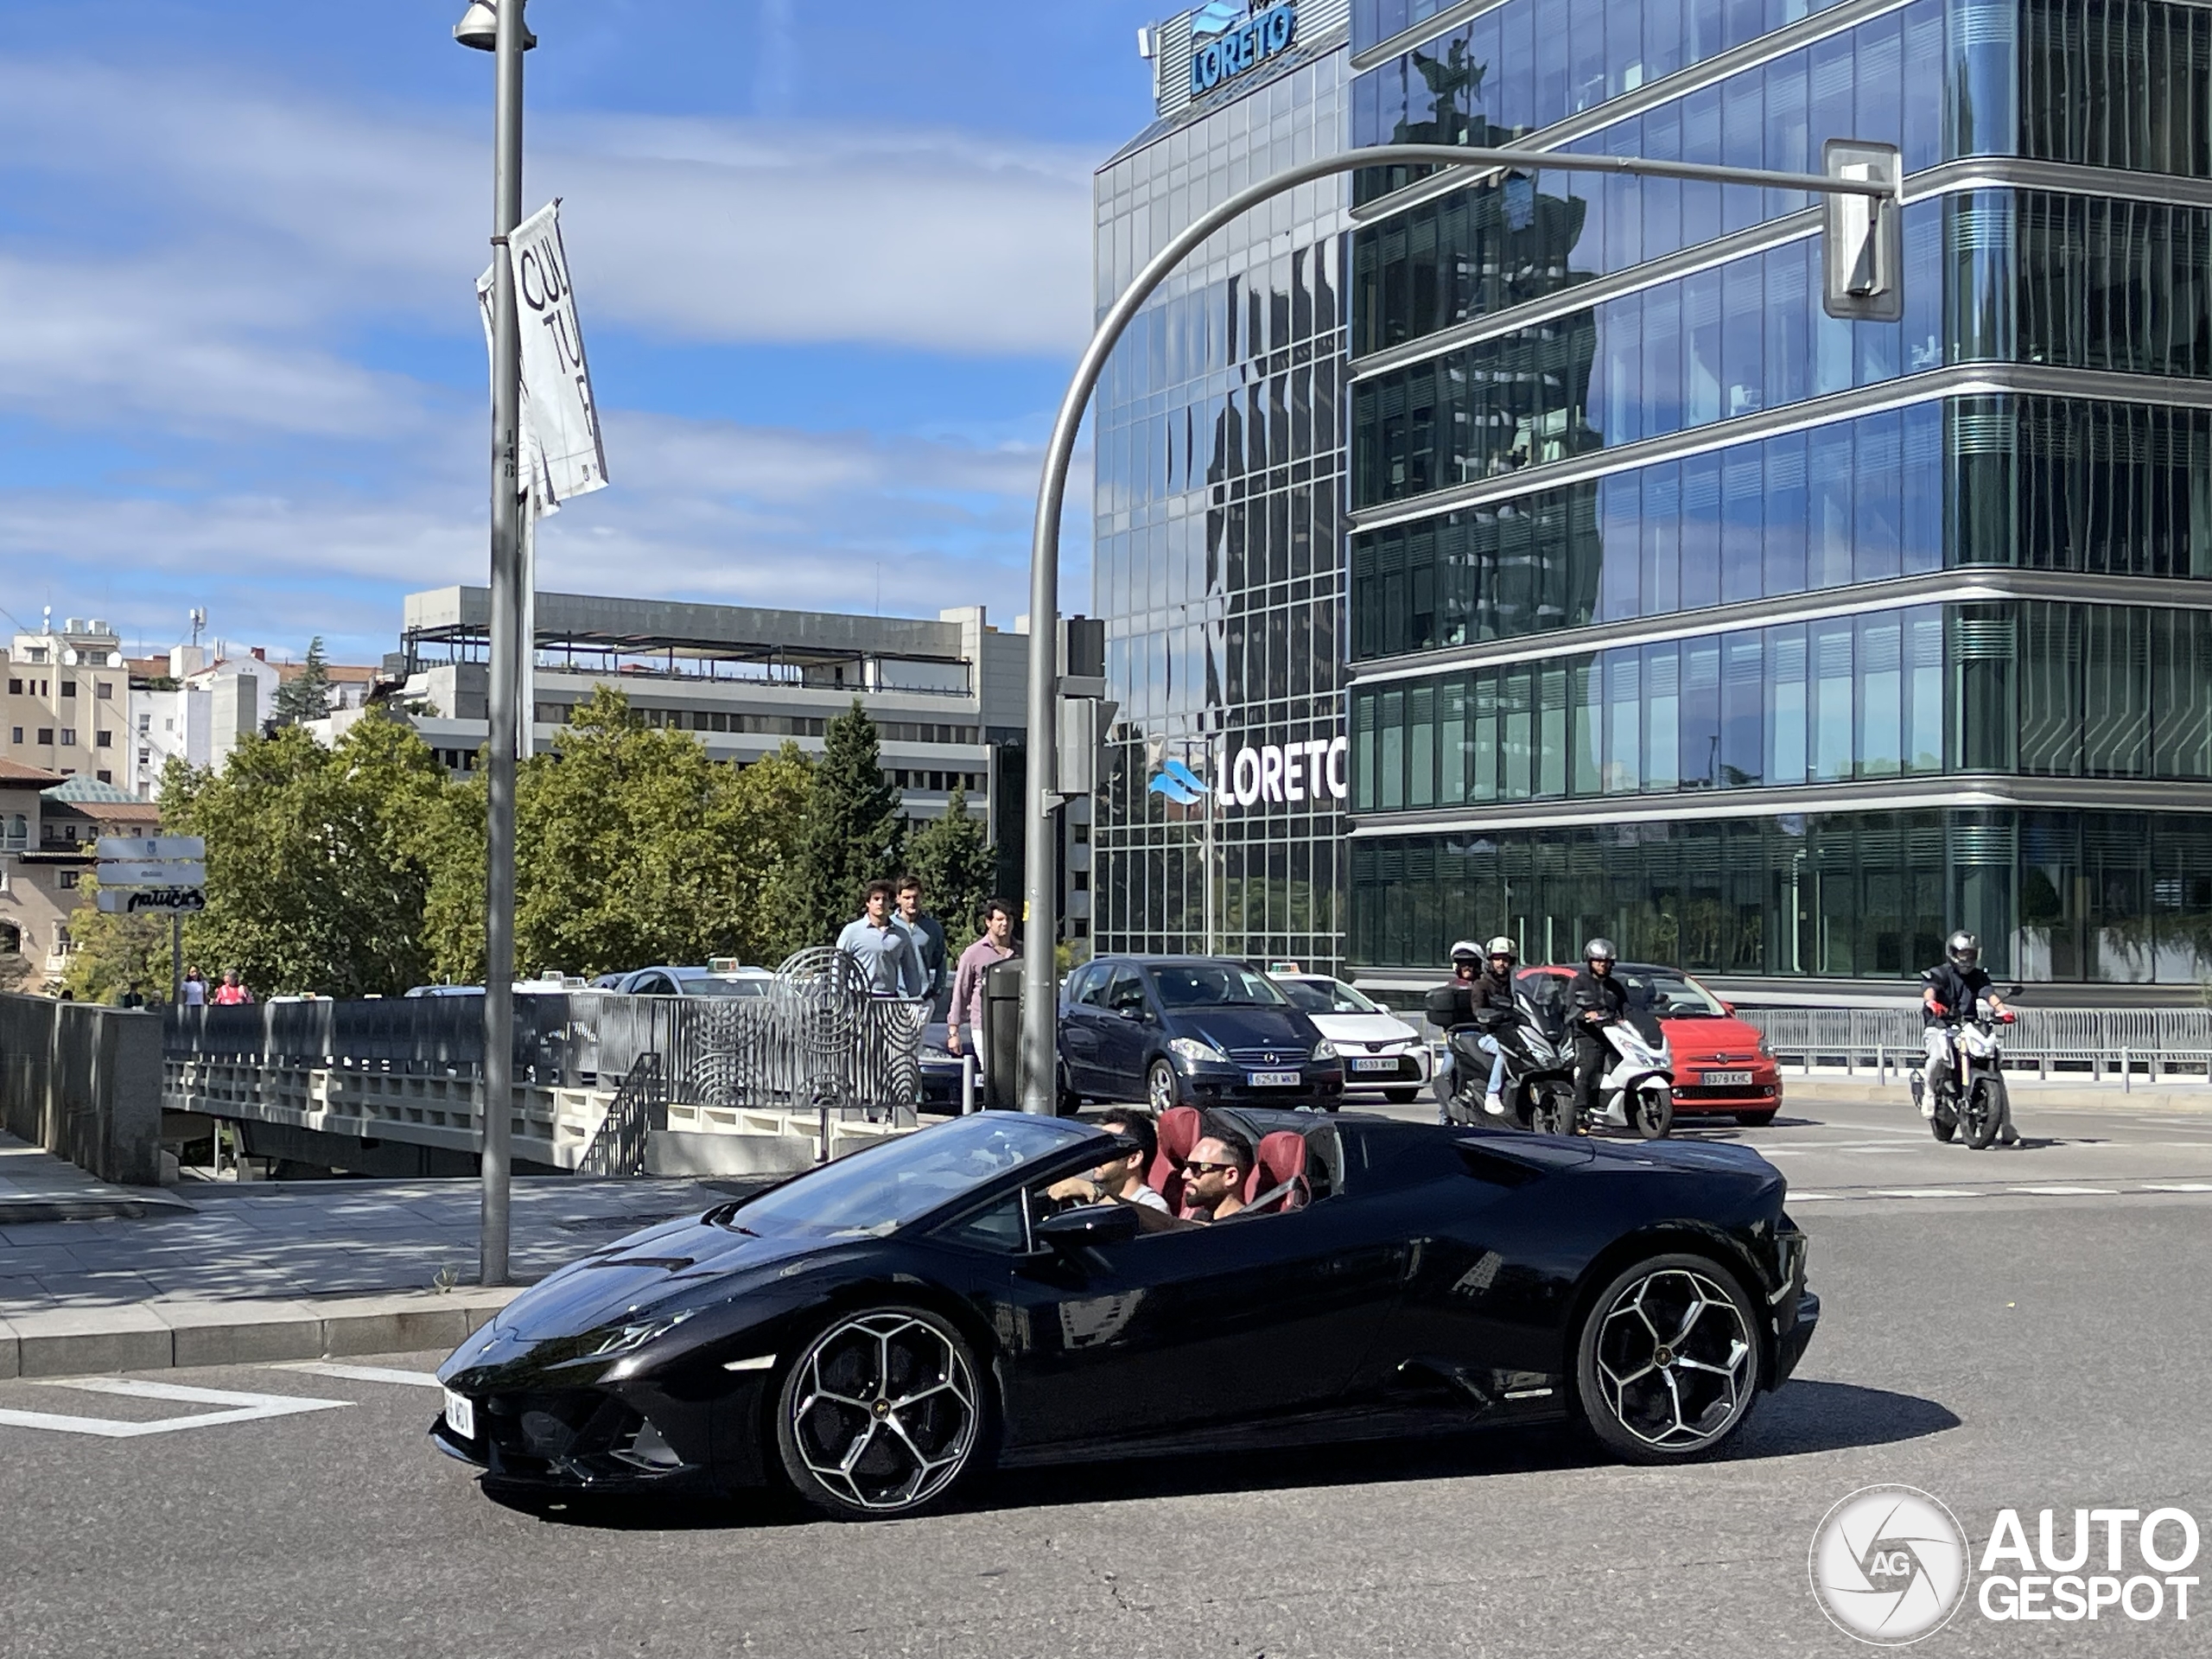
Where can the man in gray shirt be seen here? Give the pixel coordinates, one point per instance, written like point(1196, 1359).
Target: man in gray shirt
point(884, 950)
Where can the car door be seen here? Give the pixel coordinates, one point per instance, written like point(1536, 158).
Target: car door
point(1083, 1018)
point(1171, 1331)
point(1127, 1034)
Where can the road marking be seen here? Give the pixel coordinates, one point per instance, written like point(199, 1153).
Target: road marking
point(1814, 1197)
point(2069, 1192)
point(243, 1408)
point(1926, 1193)
point(360, 1373)
point(2177, 1186)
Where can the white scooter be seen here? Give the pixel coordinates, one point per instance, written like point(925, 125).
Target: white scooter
point(1637, 1091)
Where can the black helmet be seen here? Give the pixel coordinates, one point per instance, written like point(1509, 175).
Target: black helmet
point(1501, 946)
point(1600, 949)
point(1964, 949)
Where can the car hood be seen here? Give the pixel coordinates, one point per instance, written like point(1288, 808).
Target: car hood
point(1710, 1038)
point(1228, 1028)
point(677, 1263)
point(1363, 1027)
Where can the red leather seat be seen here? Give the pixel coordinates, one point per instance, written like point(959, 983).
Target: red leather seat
point(1279, 1169)
point(1180, 1128)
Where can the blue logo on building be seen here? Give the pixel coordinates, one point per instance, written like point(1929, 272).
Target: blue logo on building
point(1178, 783)
point(1235, 38)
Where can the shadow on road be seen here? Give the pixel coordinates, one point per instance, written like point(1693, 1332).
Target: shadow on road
point(1802, 1417)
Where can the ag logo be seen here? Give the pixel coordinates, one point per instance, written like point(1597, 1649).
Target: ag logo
point(1889, 1565)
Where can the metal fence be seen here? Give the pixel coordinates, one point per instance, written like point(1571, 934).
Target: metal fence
point(815, 1040)
point(2118, 1045)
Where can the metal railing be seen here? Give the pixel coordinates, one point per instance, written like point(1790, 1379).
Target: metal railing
point(619, 1147)
point(2100, 1044)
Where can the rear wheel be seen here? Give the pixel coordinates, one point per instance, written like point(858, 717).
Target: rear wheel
point(880, 1415)
point(1554, 1113)
point(1942, 1127)
point(1756, 1120)
point(1667, 1363)
point(1159, 1087)
point(1653, 1112)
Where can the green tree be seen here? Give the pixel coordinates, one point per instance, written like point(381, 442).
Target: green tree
point(113, 955)
point(316, 858)
point(306, 696)
point(956, 864)
point(854, 833)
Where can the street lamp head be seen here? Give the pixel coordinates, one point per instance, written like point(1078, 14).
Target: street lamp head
point(480, 26)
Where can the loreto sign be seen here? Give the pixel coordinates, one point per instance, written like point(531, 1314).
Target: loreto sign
point(1227, 40)
point(1267, 774)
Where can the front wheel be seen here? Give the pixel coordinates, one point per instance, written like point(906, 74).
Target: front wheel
point(1554, 1113)
point(880, 1415)
point(1667, 1363)
point(1981, 1116)
point(1654, 1111)
point(1159, 1087)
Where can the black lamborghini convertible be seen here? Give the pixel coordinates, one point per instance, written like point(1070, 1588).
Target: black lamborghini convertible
point(874, 1331)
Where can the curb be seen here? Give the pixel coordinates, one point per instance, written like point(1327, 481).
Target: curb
point(29, 1212)
point(162, 1336)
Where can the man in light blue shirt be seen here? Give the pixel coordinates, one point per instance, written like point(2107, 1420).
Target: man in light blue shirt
point(884, 950)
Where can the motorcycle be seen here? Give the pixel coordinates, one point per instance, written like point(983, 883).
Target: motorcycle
point(1637, 1089)
point(1972, 1104)
point(1538, 1089)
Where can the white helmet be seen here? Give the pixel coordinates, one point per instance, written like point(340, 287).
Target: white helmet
point(1468, 949)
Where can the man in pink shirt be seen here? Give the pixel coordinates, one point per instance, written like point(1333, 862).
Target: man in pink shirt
point(996, 945)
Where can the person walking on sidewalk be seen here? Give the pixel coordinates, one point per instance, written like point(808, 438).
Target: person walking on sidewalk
point(995, 946)
point(884, 950)
point(922, 928)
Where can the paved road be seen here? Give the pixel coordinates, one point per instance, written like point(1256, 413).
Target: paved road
point(2007, 1350)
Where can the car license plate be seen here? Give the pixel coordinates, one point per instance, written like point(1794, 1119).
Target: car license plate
point(1380, 1063)
point(1723, 1079)
point(460, 1415)
point(1273, 1079)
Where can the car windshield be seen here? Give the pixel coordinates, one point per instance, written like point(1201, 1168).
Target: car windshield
point(1212, 985)
point(723, 985)
point(1670, 995)
point(1326, 996)
point(883, 1188)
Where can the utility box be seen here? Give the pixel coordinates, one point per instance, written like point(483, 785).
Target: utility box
point(1000, 1037)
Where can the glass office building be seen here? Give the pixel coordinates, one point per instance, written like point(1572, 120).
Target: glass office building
point(1219, 552)
point(1767, 644)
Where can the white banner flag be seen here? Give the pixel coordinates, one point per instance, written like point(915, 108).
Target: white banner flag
point(560, 423)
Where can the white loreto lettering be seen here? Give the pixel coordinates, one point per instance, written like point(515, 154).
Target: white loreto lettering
point(1293, 788)
point(1339, 785)
point(1316, 767)
point(1245, 776)
point(1271, 773)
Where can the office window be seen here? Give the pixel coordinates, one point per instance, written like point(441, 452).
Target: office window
point(104, 776)
point(46, 736)
point(103, 740)
point(145, 723)
point(15, 688)
point(69, 878)
point(68, 737)
point(18, 735)
point(104, 688)
point(145, 757)
point(68, 687)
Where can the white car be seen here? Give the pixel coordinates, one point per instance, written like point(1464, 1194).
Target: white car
point(1379, 1050)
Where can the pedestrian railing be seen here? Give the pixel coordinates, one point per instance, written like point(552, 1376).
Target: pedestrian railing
point(2097, 1045)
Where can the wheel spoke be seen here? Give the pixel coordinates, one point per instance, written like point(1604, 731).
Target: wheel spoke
point(857, 1450)
point(1689, 1319)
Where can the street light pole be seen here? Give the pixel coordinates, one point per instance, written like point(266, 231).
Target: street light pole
point(1040, 984)
point(500, 29)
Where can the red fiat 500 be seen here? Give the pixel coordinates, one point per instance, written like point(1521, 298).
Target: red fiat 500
point(1722, 1067)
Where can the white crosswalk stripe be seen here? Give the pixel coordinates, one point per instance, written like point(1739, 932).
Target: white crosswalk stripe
point(359, 1373)
point(239, 1408)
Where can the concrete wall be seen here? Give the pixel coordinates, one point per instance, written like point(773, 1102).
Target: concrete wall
point(84, 1082)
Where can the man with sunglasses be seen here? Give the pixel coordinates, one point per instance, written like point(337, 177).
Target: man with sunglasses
point(1120, 1180)
point(1213, 1176)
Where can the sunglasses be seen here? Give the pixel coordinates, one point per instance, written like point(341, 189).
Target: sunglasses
point(1204, 1169)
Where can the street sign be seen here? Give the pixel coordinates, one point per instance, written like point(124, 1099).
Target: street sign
point(152, 873)
point(142, 846)
point(1862, 239)
point(138, 901)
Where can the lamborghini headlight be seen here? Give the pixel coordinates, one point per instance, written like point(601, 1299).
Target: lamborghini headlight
point(620, 1339)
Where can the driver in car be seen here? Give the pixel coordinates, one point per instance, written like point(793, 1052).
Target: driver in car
point(1213, 1176)
point(1119, 1180)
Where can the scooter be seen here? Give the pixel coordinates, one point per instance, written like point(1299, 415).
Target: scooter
point(1637, 1091)
point(1972, 1104)
point(1538, 1089)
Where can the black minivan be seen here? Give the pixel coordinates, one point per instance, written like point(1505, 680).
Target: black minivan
point(1189, 1031)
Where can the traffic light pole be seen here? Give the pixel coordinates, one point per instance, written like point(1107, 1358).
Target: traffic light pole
point(1863, 171)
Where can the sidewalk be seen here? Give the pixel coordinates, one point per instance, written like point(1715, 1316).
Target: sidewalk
point(35, 1185)
point(215, 1273)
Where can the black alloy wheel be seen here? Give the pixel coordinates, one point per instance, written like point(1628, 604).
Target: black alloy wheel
point(1667, 1363)
point(1160, 1089)
point(880, 1415)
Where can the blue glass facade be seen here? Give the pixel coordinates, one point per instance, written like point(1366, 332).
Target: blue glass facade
point(1771, 644)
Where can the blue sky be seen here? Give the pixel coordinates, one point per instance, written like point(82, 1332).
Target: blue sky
point(833, 264)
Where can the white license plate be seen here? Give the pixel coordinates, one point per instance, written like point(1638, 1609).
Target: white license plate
point(460, 1415)
point(1723, 1079)
point(1273, 1079)
point(1381, 1062)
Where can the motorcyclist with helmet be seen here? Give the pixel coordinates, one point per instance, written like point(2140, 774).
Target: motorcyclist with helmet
point(1950, 991)
point(1492, 990)
point(1595, 997)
